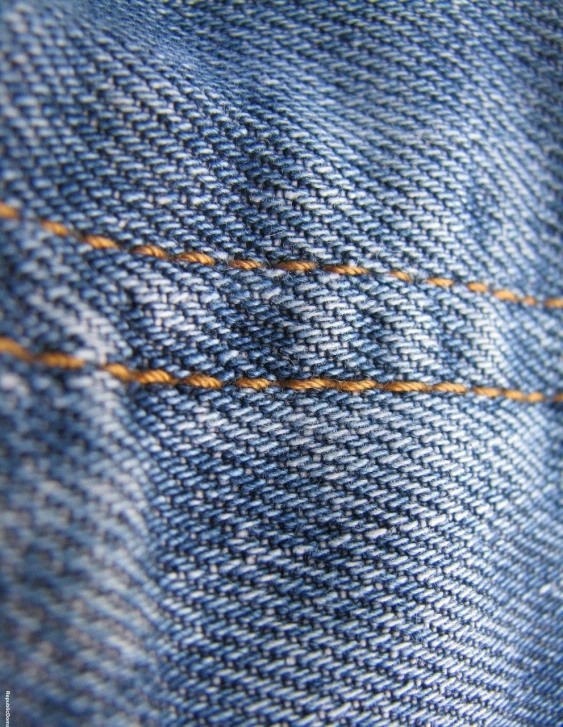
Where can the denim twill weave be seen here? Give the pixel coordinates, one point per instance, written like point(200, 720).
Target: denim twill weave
point(177, 554)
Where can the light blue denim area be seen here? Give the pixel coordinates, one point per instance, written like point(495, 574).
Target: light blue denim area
point(179, 555)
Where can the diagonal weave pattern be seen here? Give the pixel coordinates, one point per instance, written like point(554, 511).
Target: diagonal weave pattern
point(252, 556)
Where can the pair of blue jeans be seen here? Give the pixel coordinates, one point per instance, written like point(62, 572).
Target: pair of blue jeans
point(281, 363)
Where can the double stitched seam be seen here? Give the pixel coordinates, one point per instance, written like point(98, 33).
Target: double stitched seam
point(100, 242)
point(57, 359)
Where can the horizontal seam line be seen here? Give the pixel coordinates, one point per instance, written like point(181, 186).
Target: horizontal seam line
point(58, 359)
point(99, 242)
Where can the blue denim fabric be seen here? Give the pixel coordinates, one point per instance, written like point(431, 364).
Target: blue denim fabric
point(176, 555)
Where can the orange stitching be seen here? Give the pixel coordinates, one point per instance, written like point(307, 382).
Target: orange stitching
point(151, 250)
point(440, 282)
point(401, 275)
point(57, 359)
point(55, 227)
point(99, 242)
point(345, 269)
point(296, 266)
point(246, 264)
point(8, 212)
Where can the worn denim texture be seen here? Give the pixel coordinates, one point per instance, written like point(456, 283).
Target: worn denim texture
point(180, 555)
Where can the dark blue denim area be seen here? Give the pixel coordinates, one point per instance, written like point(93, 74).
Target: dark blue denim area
point(174, 555)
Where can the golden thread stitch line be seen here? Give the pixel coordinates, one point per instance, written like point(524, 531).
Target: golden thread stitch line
point(57, 359)
point(9, 212)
